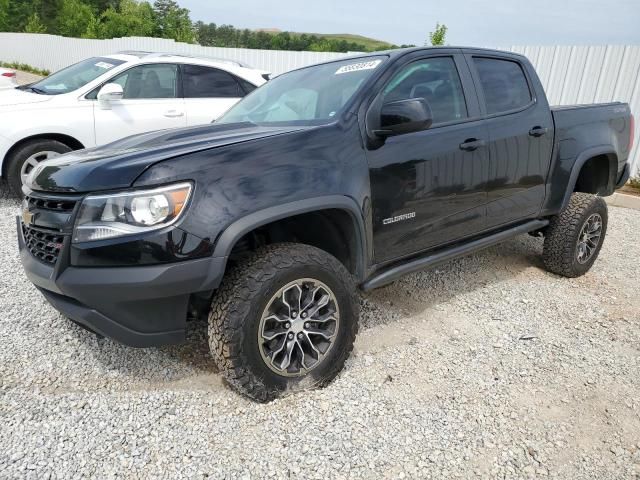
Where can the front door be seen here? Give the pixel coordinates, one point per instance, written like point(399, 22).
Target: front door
point(428, 187)
point(150, 102)
point(520, 138)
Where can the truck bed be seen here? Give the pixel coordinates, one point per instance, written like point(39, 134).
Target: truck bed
point(585, 130)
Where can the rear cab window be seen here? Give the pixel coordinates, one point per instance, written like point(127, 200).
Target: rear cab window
point(504, 84)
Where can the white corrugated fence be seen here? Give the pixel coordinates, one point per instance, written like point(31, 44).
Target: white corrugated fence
point(570, 74)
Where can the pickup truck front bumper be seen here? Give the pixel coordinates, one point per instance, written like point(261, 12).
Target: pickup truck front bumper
point(139, 306)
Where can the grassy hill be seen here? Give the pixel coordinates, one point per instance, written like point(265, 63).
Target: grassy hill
point(370, 43)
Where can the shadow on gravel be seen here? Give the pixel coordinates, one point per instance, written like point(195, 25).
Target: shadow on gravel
point(427, 289)
point(169, 363)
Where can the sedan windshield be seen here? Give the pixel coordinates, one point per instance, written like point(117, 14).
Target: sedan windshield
point(309, 96)
point(73, 77)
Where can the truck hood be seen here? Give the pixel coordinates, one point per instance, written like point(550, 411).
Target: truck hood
point(13, 97)
point(118, 164)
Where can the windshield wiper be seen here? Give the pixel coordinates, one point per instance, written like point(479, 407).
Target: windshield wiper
point(37, 90)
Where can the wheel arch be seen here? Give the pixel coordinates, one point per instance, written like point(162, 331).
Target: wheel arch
point(68, 140)
point(589, 167)
point(235, 232)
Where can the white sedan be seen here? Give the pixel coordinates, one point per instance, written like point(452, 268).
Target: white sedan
point(7, 78)
point(103, 99)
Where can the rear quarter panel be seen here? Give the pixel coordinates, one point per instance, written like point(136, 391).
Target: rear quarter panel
point(582, 132)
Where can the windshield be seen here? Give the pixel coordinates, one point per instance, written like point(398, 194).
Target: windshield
point(309, 96)
point(73, 77)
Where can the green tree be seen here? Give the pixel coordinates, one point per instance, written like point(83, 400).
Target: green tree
point(4, 15)
point(172, 21)
point(34, 25)
point(74, 18)
point(437, 37)
point(131, 19)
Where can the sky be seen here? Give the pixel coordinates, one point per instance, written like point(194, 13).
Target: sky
point(470, 22)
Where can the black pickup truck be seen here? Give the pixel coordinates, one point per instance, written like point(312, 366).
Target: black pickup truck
point(330, 178)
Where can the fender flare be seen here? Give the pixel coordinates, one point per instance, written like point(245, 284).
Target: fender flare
point(581, 159)
point(236, 230)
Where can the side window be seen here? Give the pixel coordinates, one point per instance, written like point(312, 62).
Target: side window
point(246, 86)
point(149, 81)
point(434, 79)
point(206, 82)
point(504, 84)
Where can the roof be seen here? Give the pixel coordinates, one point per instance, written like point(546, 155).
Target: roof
point(144, 54)
point(397, 52)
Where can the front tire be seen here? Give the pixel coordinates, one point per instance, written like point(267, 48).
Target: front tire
point(283, 320)
point(574, 238)
point(26, 157)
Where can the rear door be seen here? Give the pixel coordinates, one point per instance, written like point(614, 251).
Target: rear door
point(520, 136)
point(428, 187)
point(150, 102)
point(208, 93)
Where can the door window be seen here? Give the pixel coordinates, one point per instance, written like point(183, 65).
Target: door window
point(149, 81)
point(504, 85)
point(434, 79)
point(205, 82)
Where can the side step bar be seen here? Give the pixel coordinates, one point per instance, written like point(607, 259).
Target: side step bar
point(393, 273)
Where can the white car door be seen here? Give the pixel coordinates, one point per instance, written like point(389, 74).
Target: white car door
point(208, 93)
point(150, 102)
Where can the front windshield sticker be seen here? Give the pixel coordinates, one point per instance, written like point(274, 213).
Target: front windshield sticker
point(356, 67)
point(104, 65)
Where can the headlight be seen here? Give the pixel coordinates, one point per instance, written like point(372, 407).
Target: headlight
point(128, 213)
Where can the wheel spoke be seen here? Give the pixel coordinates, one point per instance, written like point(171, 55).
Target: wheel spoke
point(312, 345)
point(317, 331)
point(269, 335)
point(286, 361)
point(323, 302)
point(329, 317)
point(312, 298)
point(275, 318)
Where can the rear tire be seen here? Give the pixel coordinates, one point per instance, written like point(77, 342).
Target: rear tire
point(274, 293)
point(574, 237)
point(26, 156)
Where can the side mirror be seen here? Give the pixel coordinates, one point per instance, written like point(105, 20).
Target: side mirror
point(404, 116)
point(110, 92)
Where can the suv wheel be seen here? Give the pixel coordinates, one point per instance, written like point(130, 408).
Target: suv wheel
point(26, 157)
point(284, 320)
point(574, 237)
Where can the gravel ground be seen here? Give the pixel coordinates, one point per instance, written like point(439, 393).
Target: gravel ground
point(486, 367)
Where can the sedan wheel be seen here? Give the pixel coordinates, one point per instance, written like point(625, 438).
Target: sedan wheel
point(31, 162)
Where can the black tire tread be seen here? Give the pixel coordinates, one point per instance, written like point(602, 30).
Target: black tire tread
point(232, 302)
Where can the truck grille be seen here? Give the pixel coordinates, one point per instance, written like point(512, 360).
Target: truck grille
point(49, 222)
point(57, 205)
point(45, 246)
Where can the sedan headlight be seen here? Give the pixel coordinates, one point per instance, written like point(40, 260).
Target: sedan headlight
point(128, 213)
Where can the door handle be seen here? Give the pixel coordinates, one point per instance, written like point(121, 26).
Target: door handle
point(538, 131)
point(471, 144)
point(173, 113)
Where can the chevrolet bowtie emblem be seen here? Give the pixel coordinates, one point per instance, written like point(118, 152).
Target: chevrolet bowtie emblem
point(27, 217)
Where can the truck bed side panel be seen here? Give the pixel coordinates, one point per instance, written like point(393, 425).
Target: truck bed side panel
point(581, 133)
